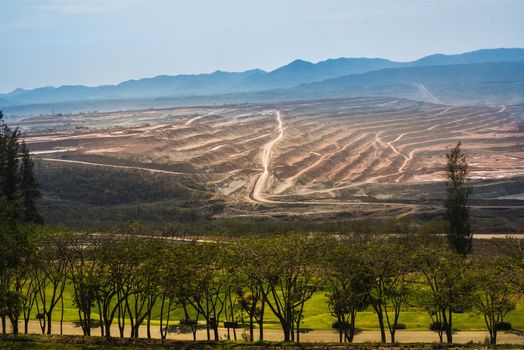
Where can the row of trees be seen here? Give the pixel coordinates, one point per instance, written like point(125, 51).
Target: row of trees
point(128, 282)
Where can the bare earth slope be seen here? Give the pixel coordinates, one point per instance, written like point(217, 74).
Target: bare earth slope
point(351, 157)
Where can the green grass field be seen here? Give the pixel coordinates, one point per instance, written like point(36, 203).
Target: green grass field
point(317, 316)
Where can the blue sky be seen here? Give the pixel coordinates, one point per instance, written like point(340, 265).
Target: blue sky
point(93, 42)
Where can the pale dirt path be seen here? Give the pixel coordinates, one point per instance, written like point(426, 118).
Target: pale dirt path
point(154, 171)
point(261, 183)
point(190, 121)
point(312, 336)
point(427, 94)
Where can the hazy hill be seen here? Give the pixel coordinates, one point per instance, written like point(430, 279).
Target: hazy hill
point(501, 82)
point(479, 56)
point(219, 82)
point(489, 75)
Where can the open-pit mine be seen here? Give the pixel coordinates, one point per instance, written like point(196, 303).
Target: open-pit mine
point(351, 158)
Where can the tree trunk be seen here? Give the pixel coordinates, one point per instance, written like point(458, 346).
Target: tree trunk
point(352, 327)
point(14, 324)
point(48, 315)
point(162, 304)
point(449, 327)
point(341, 330)
point(286, 330)
point(215, 331)
point(251, 329)
point(62, 319)
point(100, 317)
point(149, 324)
point(380, 316)
point(4, 325)
point(261, 326)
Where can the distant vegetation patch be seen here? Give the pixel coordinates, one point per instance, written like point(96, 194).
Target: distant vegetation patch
point(81, 196)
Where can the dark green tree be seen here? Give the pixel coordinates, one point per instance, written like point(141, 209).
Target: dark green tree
point(497, 290)
point(447, 286)
point(9, 149)
point(348, 284)
point(17, 180)
point(13, 251)
point(456, 204)
point(29, 190)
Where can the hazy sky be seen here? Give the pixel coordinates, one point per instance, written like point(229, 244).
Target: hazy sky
point(92, 42)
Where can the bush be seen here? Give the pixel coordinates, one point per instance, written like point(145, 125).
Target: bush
point(504, 326)
point(187, 322)
point(436, 326)
point(94, 323)
point(339, 325)
point(234, 324)
point(400, 326)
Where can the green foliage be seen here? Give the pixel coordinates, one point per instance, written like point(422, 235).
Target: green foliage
point(498, 284)
point(448, 285)
point(293, 282)
point(348, 283)
point(456, 204)
point(77, 196)
point(17, 182)
point(29, 188)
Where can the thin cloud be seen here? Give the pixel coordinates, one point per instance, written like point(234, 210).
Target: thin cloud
point(85, 6)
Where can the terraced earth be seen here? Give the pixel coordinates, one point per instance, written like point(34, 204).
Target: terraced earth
point(356, 157)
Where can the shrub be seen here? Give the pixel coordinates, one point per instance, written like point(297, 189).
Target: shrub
point(94, 323)
point(187, 322)
point(436, 326)
point(234, 324)
point(504, 326)
point(339, 325)
point(400, 326)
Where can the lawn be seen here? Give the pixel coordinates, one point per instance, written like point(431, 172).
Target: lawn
point(318, 317)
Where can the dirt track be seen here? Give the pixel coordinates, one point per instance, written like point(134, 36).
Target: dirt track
point(261, 183)
point(312, 336)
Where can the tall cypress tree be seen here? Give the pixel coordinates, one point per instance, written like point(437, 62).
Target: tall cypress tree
point(11, 165)
point(29, 190)
point(18, 185)
point(456, 204)
point(3, 153)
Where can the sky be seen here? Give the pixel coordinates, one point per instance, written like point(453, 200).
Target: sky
point(95, 42)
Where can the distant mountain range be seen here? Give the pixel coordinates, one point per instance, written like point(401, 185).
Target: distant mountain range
point(482, 76)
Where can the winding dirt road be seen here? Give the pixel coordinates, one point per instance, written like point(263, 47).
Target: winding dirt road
point(190, 121)
point(261, 184)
